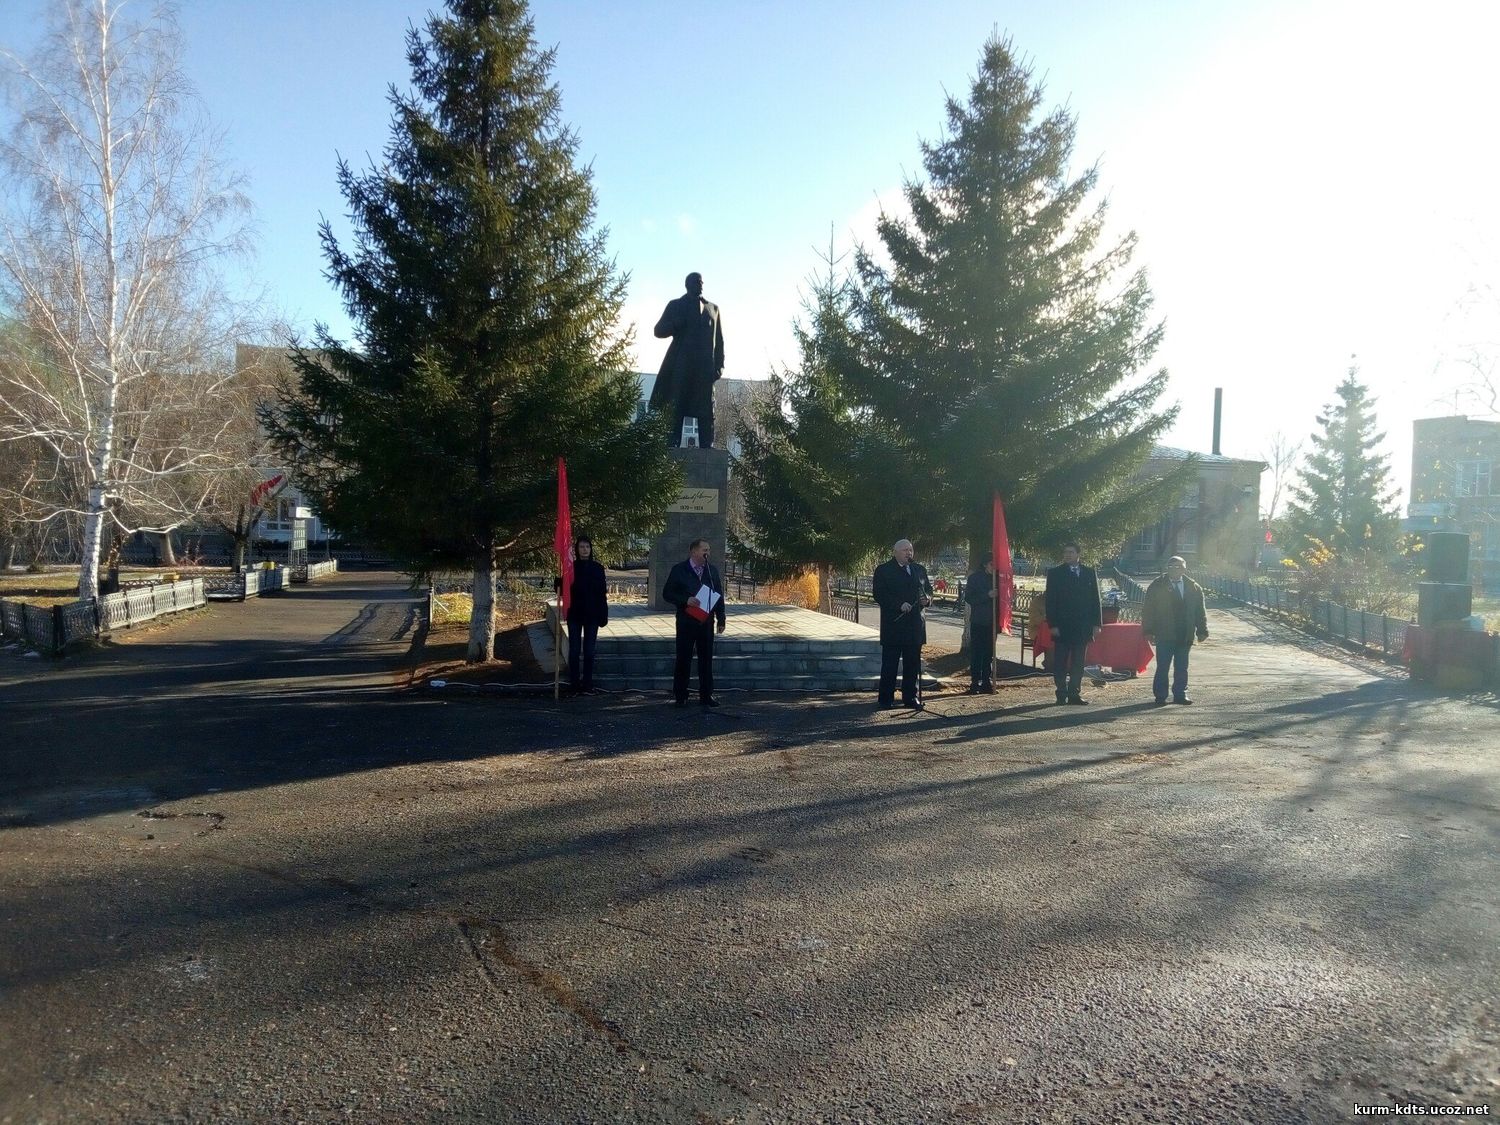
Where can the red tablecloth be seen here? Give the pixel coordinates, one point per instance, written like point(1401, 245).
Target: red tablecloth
point(1121, 645)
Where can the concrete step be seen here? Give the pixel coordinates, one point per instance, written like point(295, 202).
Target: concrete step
point(729, 646)
point(736, 684)
point(631, 665)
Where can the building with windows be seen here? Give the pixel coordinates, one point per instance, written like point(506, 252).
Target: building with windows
point(1455, 486)
point(1215, 524)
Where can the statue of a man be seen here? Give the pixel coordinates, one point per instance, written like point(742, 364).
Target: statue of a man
point(695, 361)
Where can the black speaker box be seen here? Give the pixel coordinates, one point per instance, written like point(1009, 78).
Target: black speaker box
point(1440, 602)
point(1447, 556)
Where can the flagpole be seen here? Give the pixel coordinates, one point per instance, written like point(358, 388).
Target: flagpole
point(562, 545)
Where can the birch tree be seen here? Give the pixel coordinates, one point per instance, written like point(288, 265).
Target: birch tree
point(116, 217)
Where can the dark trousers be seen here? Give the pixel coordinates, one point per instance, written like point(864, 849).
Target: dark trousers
point(693, 636)
point(1067, 666)
point(582, 640)
point(1177, 656)
point(910, 659)
point(981, 656)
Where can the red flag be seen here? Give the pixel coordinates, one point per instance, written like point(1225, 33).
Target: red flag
point(1005, 575)
point(562, 540)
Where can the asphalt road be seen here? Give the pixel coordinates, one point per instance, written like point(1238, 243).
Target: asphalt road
point(243, 878)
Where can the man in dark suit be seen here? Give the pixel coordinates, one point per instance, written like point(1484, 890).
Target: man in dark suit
point(1171, 615)
point(693, 363)
point(684, 582)
point(1074, 617)
point(902, 590)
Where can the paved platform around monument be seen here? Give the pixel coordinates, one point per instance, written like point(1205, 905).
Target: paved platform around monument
point(764, 647)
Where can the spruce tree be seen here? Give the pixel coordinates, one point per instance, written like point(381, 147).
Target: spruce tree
point(1343, 498)
point(1006, 340)
point(487, 328)
point(813, 466)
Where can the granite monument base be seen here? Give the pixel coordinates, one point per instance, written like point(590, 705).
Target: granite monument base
point(697, 513)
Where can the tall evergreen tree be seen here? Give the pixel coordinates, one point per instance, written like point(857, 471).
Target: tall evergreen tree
point(1343, 497)
point(488, 338)
point(1005, 340)
point(813, 466)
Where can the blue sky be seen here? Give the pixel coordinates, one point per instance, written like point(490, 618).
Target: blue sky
point(1309, 180)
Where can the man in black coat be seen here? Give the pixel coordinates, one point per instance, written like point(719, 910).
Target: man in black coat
point(693, 363)
point(902, 590)
point(1074, 617)
point(981, 592)
point(684, 582)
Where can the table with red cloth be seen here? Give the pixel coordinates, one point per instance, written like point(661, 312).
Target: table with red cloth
point(1122, 645)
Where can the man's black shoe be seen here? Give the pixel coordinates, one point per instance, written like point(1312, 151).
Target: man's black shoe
point(1161, 702)
point(886, 705)
point(915, 705)
point(1077, 700)
point(974, 689)
point(709, 701)
point(1061, 698)
point(679, 703)
point(987, 689)
point(1184, 700)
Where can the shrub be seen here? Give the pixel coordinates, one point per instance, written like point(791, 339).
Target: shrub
point(800, 591)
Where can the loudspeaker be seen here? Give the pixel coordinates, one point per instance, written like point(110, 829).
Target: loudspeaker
point(1441, 602)
point(1447, 556)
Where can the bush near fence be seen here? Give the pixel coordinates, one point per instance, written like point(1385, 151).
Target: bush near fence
point(1369, 632)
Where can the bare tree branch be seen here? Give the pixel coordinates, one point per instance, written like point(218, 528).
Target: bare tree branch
point(116, 214)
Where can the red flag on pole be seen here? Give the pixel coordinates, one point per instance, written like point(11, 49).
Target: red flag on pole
point(562, 541)
point(1005, 577)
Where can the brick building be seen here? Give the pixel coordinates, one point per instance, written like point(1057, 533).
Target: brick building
point(1455, 486)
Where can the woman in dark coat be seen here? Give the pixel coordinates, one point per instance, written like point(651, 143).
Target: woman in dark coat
point(588, 612)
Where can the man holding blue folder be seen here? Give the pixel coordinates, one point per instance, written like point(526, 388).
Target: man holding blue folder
point(696, 589)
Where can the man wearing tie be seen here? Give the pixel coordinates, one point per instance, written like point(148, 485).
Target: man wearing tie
point(1172, 614)
point(902, 590)
point(682, 588)
point(1074, 617)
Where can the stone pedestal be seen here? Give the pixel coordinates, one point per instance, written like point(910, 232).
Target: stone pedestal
point(697, 513)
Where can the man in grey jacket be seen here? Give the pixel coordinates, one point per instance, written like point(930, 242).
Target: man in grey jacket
point(1173, 613)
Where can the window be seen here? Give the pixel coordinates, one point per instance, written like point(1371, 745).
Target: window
point(1491, 533)
point(1190, 497)
point(1473, 478)
point(1145, 542)
point(1187, 537)
point(279, 518)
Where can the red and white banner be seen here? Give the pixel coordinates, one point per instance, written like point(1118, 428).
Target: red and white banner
point(266, 487)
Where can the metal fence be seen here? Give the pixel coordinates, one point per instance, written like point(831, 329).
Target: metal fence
point(1371, 631)
point(51, 629)
point(311, 572)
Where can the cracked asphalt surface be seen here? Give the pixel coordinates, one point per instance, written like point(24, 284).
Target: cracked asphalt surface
point(244, 878)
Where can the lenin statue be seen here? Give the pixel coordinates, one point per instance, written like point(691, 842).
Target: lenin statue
point(695, 361)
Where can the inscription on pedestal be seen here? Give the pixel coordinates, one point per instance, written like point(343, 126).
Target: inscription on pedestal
point(701, 500)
